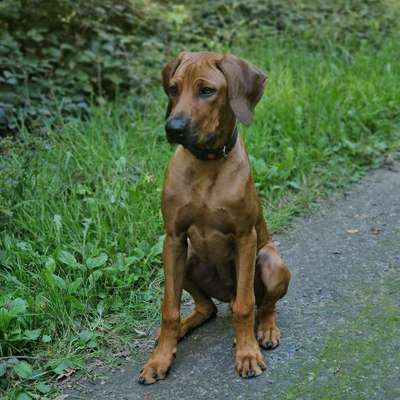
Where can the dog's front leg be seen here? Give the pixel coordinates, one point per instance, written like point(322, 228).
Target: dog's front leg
point(249, 360)
point(174, 257)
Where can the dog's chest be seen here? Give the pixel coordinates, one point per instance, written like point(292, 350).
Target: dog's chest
point(210, 229)
point(210, 244)
point(210, 208)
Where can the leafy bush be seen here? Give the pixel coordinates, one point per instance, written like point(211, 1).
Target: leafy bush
point(13, 324)
point(58, 56)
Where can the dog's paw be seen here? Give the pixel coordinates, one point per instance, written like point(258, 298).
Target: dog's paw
point(250, 362)
point(268, 336)
point(155, 370)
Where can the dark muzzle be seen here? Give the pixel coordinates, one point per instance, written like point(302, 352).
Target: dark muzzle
point(178, 129)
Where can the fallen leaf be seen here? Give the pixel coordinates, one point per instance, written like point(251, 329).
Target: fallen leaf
point(66, 375)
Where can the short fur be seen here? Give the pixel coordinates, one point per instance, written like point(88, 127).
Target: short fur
point(217, 243)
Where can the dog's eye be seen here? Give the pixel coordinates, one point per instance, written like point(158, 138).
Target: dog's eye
point(206, 91)
point(173, 90)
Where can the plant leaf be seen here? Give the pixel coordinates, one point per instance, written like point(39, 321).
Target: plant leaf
point(86, 335)
point(43, 388)
point(46, 338)
point(75, 285)
point(67, 258)
point(95, 262)
point(23, 370)
point(23, 396)
point(32, 334)
point(3, 369)
point(60, 282)
point(62, 366)
point(18, 306)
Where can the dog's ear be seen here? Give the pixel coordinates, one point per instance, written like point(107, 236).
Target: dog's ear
point(168, 71)
point(166, 74)
point(245, 86)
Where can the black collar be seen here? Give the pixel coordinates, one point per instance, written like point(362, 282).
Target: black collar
point(214, 154)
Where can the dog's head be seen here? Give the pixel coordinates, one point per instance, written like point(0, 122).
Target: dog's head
point(207, 92)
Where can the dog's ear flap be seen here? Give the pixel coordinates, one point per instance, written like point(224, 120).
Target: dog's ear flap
point(245, 86)
point(169, 69)
point(166, 74)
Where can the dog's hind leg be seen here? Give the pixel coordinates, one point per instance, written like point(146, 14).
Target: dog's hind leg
point(272, 281)
point(204, 308)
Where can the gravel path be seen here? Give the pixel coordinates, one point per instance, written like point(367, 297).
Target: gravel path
point(339, 322)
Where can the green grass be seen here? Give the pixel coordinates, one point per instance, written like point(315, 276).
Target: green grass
point(80, 222)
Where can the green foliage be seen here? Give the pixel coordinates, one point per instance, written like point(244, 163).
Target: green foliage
point(58, 56)
point(80, 224)
point(14, 323)
point(30, 376)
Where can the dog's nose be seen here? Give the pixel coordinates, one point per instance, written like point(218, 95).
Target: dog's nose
point(176, 127)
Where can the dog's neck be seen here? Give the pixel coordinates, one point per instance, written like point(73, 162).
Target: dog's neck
point(217, 153)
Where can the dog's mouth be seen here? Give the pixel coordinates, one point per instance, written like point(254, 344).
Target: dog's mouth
point(185, 139)
point(191, 139)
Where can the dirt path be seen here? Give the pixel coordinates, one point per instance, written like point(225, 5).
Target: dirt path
point(339, 322)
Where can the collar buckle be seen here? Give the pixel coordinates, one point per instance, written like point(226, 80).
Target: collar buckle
point(224, 153)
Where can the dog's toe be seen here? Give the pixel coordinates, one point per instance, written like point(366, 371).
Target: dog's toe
point(250, 363)
point(251, 373)
point(269, 345)
point(268, 336)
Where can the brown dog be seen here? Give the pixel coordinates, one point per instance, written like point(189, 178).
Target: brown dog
point(217, 244)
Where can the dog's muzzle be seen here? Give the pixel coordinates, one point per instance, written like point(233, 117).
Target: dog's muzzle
point(178, 130)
